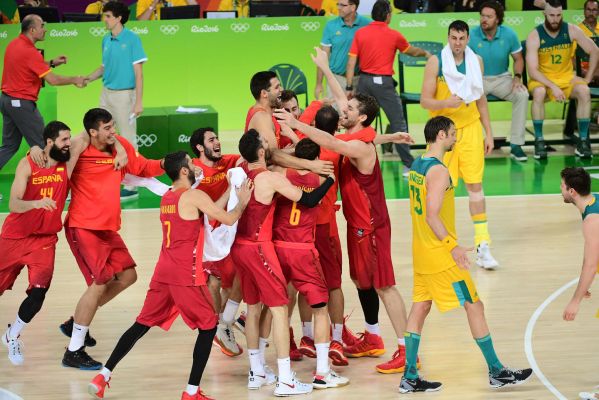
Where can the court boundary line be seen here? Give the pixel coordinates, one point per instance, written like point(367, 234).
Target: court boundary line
point(528, 338)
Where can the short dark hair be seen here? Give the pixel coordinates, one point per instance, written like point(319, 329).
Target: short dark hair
point(27, 22)
point(307, 149)
point(589, 1)
point(554, 4)
point(495, 5)
point(94, 117)
point(287, 95)
point(380, 10)
point(434, 126)
point(327, 119)
point(459, 26)
point(354, 2)
point(52, 130)
point(197, 138)
point(117, 9)
point(249, 144)
point(577, 178)
point(173, 162)
point(368, 106)
point(261, 81)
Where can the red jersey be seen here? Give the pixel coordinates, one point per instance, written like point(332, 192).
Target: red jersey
point(95, 187)
point(364, 204)
point(182, 245)
point(294, 222)
point(24, 68)
point(215, 182)
point(282, 141)
point(50, 182)
point(256, 221)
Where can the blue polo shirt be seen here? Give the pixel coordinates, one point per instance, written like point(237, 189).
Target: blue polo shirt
point(339, 37)
point(118, 56)
point(496, 52)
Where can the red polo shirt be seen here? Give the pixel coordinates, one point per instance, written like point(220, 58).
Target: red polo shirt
point(375, 46)
point(24, 68)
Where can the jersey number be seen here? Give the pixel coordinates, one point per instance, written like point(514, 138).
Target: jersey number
point(47, 192)
point(294, 216)
point(168, 233)
point(415, 192)
point(556, 59)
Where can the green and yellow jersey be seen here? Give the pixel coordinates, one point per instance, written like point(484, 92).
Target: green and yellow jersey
point(555, 54)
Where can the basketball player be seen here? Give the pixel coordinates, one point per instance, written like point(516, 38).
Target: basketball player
point(293, 235)
point(176, 287)
point(262, 280)
point(92, 224)
point(440, 264)
point(369, 227)
point(550, 48)
point(467, 159)
point(29, 233)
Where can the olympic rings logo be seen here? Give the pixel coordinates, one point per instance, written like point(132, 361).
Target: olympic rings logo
point(240, 27)
point(514, 21)
point(169, 29)
point(146, 140)
point(310, 26)
point(445, 22)
point(97, 31)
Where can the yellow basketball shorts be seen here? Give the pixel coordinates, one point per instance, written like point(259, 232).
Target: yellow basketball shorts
point(565, 83)
point(448, 289)
point(467, 158)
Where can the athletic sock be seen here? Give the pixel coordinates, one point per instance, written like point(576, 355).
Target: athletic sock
point(78, 337)
point(106, 373)
point(322, 358)
point(481, 229)
point(373, 328)
point(401, 341)
point(338, 332)
point(192, 390)
point(583, 128)
point(16, 327)
point(255, 364)
point(307, 329)
point(369, 300)
point(284, 365)
point(412, 343)
point(486, 346)
point(538, 128)
point(230, 310)
point(262, 348)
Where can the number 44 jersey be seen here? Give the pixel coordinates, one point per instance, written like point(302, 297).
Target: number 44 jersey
point(428, 252)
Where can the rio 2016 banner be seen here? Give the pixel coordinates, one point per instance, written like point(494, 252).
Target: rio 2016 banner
point(212, 61)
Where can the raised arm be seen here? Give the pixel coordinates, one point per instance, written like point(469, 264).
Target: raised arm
point(320, 74)
point(283, 159)
point(321, 59)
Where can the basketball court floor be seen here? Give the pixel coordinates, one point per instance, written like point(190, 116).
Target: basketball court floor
point(536, 238)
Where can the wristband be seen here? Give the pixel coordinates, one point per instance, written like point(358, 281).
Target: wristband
point(349, 87)
point(449, 243)
point(52, 64)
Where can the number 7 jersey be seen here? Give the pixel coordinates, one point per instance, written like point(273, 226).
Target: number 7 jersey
point(428, 253)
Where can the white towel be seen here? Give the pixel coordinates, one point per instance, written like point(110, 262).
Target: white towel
point(218, 241)
point(467, 87)
point(153, 184)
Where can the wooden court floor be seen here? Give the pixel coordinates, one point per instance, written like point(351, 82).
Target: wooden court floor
point(537, 240)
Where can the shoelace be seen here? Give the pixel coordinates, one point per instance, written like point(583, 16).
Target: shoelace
point(15, 346)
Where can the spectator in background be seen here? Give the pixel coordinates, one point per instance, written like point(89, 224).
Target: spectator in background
point(241, 6)
point(24, 70)
point(590, 28)
point(330, 7)
point(494, 43)
point(28, 3)
point(376, 46)
point(336, 40)
point(528, 5)
point(150, 9)
point(95, 7)
point(422, 6)
point(473, 5)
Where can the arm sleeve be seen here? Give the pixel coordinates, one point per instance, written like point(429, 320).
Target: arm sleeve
point(353, 50)
point(137, 52)
point(401, 43)
point(311, 199)
point(327, 36)
point(516, 46)
point(37, 64)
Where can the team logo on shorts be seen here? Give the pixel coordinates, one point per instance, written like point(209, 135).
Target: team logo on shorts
point(97, 31)
point(169, 29)
point(360, 232)
point(514, 21)
point(146, 140)
point(240, 27)
point(310, 26)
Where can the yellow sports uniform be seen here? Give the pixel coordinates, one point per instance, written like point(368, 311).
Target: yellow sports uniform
point(143, 5)
point(467, 159)
point(555, 61)
point(436, 275)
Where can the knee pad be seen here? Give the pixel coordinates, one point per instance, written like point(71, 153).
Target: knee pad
point(476, 196)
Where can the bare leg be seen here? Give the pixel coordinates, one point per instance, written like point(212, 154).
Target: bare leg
point(123, 280)
point(336, 305)
point(395, 308)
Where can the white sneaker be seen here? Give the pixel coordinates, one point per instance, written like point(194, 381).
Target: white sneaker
point(256, 381)
point(225, 340)
point(484, 258)
point(284, 389)
point(330, 380)
point(587, 395)
point(15, 348)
